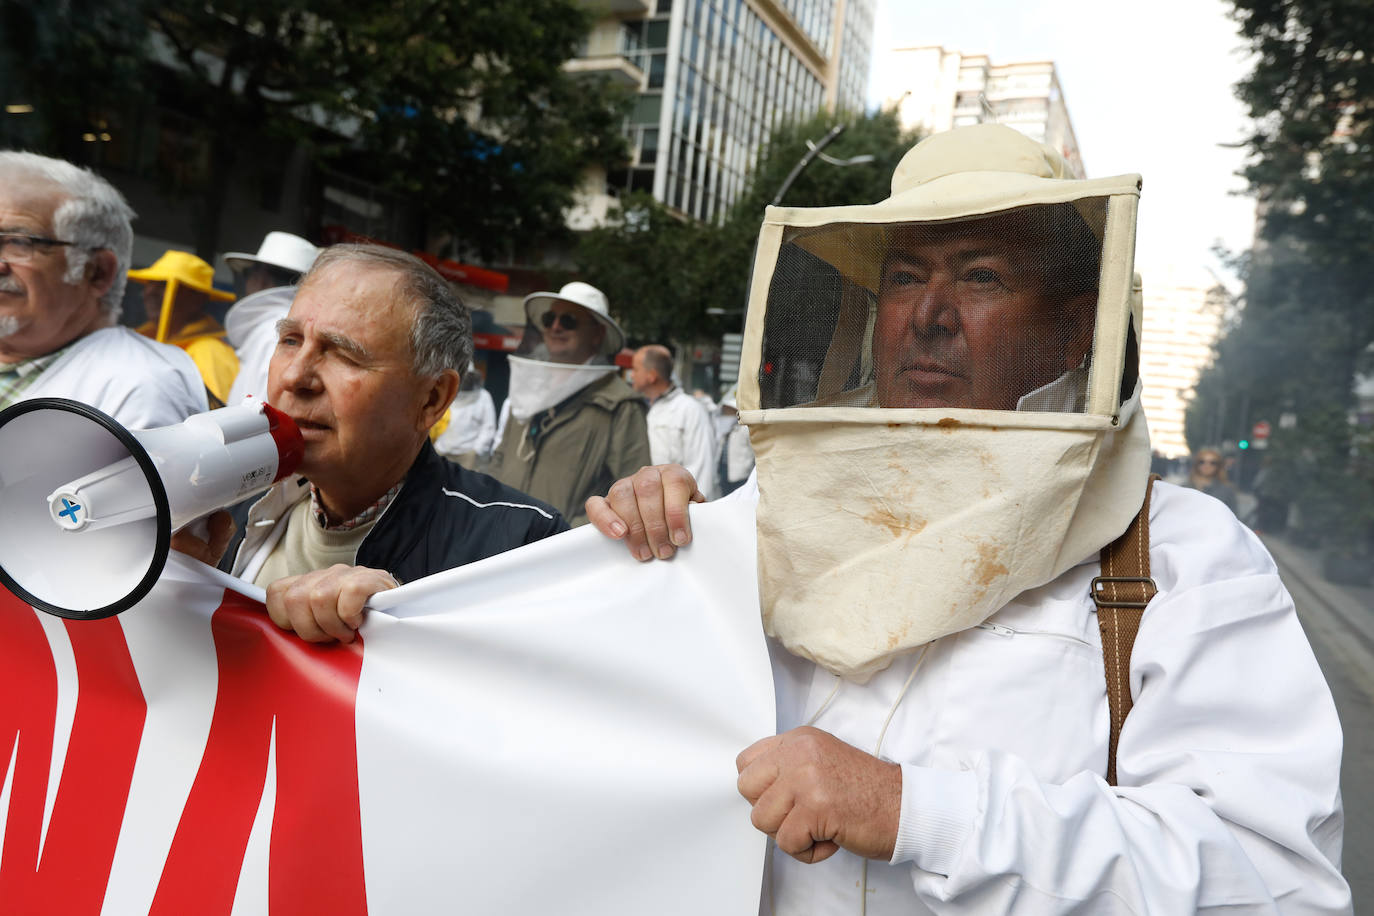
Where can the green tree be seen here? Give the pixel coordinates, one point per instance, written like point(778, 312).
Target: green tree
point(462, 106)
point(1308, 317)
point(651, 264)
point(662, 272)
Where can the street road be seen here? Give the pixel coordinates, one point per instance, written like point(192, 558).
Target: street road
point(1340, 624)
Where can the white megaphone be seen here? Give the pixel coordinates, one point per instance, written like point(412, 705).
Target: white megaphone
point(87, 507)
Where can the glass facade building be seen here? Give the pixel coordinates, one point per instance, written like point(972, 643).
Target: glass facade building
point(715, 76)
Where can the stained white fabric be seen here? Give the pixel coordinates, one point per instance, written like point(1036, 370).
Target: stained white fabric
point(680, 433)
point(882, 527)
point(881, 532)
point(471, 425)
point(139, 382)
point(1228, 764)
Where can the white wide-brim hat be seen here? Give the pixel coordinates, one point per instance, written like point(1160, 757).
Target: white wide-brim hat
point(591, 299)
point(279, 249)
point(964, 173)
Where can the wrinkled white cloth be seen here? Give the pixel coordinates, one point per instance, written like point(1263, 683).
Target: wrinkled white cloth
point(139, 382)
point(471, 425)
point(680, 432)
point(1228, 763)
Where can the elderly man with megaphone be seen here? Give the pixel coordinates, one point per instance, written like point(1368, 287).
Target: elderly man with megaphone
point(367, 360)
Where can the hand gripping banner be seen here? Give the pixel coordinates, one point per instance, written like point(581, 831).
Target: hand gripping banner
point(552, 730)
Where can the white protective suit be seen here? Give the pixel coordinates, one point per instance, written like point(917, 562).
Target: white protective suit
point(680, 433)
point(942, 393)
point(1227, 767)
point(471, 425)
point(251, 326)
point(140, 383)
point(739, 454)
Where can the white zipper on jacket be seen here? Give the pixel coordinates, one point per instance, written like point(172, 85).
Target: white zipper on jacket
point(1008, 632)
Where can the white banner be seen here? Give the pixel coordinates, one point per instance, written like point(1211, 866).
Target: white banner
point(552, 730)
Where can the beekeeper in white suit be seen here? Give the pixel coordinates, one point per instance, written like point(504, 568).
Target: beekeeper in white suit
point(942, 394)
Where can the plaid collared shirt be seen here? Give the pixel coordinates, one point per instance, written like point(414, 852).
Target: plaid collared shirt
point(362, 518)
point(16, 378)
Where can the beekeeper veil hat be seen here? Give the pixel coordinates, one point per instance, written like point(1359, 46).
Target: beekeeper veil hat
point(570, 342)
point(941, 392)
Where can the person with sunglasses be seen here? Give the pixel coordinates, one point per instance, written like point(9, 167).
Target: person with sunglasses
point(66, 240)
point(575, 427)
point(1208, 474)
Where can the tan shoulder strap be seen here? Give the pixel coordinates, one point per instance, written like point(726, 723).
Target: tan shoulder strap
point(1121, 593)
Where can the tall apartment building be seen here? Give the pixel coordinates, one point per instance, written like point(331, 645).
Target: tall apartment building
point(713, 77)
point(934, 89)
point(1183, 316)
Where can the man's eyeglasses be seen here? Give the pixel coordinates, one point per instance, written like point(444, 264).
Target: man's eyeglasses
point(20, 249)
point(565, 321)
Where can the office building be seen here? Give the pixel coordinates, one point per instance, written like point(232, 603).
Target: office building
point(1184, 311)
point(713, 77)
point(935, 89)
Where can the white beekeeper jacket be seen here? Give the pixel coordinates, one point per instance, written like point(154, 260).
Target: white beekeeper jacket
point(471, 425)
point(251, 326)
point(1227, 767)
point(680, 433)
point(139, 382)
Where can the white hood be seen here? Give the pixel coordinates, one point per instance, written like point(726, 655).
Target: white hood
point(266, 306)
point(989, 301)
point(536, 384)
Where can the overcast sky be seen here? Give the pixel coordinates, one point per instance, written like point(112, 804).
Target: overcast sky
point(1148, 87)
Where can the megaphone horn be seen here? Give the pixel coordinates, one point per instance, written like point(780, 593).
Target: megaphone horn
point(87, 507)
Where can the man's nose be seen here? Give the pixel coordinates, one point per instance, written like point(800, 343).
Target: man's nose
point(298, 370)
point(936, 308)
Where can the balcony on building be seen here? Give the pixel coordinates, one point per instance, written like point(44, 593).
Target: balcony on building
point(611, 49)
point(622, 9)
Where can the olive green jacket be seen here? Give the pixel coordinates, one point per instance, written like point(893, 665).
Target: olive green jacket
point(577, 449)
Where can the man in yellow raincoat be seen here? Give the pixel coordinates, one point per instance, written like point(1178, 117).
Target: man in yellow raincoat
point(176, 289)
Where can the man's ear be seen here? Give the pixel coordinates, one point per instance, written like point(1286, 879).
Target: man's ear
point(101, 269)
point(1080, 321)
point(438, 396)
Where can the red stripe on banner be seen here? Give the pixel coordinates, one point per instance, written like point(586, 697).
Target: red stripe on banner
point(28, 682)
point(316, 856)
point(76, 856)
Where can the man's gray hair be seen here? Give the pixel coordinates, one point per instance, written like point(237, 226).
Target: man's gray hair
point(657, 358)
point(441, 335)
point(93, 215)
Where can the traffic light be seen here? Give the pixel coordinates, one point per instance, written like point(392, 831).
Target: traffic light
point(1243, 444)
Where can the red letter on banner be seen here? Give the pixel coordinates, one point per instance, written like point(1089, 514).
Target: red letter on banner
point(68, 870)
point(267, 675)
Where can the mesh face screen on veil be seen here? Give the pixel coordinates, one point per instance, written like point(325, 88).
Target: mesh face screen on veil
point(562, 333)
point(995, 312)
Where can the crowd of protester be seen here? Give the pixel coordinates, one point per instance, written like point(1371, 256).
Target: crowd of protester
point(311, 330)
point(897, 557)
